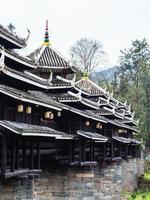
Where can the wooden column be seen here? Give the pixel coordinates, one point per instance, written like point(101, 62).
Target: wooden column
point(17, 154)
point(112, 148)
point(84, 151)
point(126, 153)
point(104, 153)
point(13, 154)
point(24, 156)
point(38, 155)
point(92, 150)
point(31, 154)
point(80, 150)
point(112, 143)
point(70, 156)
point(4, 153)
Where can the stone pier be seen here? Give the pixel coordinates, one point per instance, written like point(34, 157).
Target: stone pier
point(105, 181)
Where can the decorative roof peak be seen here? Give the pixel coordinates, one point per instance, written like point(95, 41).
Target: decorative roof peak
point(46, 37)
point(85, 75)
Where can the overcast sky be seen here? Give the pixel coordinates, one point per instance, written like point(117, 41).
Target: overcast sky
point(115, 23)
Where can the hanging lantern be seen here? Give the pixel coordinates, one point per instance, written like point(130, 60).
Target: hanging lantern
point(87, 123)
point(20, 108)
point(59, 114)
point(99, 125)
point(28, 110)
point(51, 115)
point(46, 115)
point(120, 130)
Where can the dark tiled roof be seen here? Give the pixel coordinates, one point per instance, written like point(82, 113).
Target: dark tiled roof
point(93, 136)
point(89, 87)
point(121, 139)
point(84, 113)
point(47, 56)
point(20, 58)
point(5, 32)
point(27, 97)
point(46, 101)
point(32, 130)
point(35, 80)
point(61, 97)
point(102, 111)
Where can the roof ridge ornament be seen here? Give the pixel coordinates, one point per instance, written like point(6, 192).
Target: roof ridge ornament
point(50, 77)
point(112, 93)
point(108, 100)
point(2, 58)
point(28, 36)
point(78, 95)
point(85, 75)
point(125, 103)
point(72, 82)
point(46, 37)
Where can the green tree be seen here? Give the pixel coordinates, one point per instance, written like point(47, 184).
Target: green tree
point(134, 80)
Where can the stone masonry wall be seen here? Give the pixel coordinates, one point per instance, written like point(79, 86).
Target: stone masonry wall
point(103, 182)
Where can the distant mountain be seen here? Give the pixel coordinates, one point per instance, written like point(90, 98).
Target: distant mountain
point(107, 74)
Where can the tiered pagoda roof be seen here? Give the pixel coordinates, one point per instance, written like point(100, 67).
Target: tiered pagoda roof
point(40, 107)
point(10, 39)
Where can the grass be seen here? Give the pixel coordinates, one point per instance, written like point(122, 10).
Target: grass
point(141, 193)
point(147, 176)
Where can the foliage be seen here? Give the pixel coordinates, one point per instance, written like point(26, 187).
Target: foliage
point(143, 192)
point(133, 81)
point(87, 54)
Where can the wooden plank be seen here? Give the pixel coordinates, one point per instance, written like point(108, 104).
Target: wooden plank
point(22, 172)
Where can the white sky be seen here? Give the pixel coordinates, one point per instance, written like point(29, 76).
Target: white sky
point(115, 23)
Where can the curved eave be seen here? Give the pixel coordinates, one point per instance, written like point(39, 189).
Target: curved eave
point(58, 135)
point(19, 60)
point(90, 104)
point(16, 44)
point(29, 81)
point(32, 101)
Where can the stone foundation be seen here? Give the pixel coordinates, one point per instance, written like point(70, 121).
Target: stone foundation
point(103, 182)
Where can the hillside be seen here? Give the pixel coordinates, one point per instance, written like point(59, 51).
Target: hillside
point(106, 74)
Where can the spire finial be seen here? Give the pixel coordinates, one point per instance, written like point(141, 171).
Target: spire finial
point(46, 37)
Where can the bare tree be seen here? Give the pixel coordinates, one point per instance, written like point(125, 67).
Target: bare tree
point(87, 54)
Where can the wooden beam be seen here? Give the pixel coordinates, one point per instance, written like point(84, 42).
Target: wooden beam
point(4, 153)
